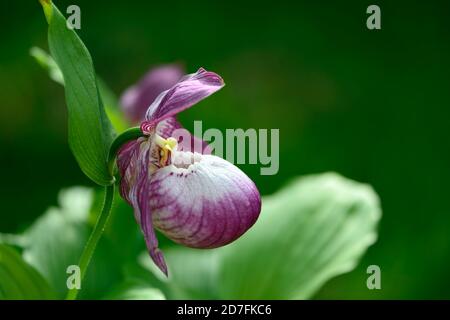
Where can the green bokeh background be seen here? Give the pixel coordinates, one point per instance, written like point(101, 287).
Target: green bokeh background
point(371, 105)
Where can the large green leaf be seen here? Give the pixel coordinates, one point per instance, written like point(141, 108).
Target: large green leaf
point(193, 273)
point(90, 131)
point(56, 240)
point(18, 280)
point(112, 107)
point(314, 229)
point(109, 99)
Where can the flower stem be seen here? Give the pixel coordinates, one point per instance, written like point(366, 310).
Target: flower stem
point(126, 136)
point(94, 238)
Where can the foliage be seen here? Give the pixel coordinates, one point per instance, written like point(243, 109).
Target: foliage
point(314, 229)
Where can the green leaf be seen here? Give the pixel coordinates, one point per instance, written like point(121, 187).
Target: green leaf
point(132, 290)
point(314, 229)
point(112, 107)
point(109, 99)
point(76, 202)
point(57, 239)
point(18, 280)
point(90, 131)
point(193, 273)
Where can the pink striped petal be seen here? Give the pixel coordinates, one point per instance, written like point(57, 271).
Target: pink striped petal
point(187, 92)
point(137, 98)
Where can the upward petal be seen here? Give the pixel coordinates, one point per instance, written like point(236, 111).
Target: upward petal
point(187, 92)
point(136, 99)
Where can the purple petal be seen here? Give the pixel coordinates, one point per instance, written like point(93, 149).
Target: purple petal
point(126, 160)
point(187, 92)
point(136, 99)
point(166, 127)
point(140, 194)
point(135, 183)
point(206, 204)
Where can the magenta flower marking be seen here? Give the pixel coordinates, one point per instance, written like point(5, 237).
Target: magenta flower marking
point(197, 200)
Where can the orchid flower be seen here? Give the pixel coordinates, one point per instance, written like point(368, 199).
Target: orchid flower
point(196, 199)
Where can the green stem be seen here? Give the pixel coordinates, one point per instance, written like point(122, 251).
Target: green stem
point(94, 238)
point(119, 141)
point(124, 137)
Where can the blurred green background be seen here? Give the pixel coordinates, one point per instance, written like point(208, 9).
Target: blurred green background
point(371, 105)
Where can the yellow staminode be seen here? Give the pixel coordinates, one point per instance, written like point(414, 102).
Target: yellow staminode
point(167, 145)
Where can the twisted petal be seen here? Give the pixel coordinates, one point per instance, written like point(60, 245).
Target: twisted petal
point(202, 201)
point(187, 92)
point(137, 98)
point(135, 164)
point(126, 162)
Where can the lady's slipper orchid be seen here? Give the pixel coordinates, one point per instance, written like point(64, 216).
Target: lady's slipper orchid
point(198, 200)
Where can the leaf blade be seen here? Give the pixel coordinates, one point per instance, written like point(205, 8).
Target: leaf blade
point(18, 280)
point(110, 101)
point(313, 230)
point(90, 131)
